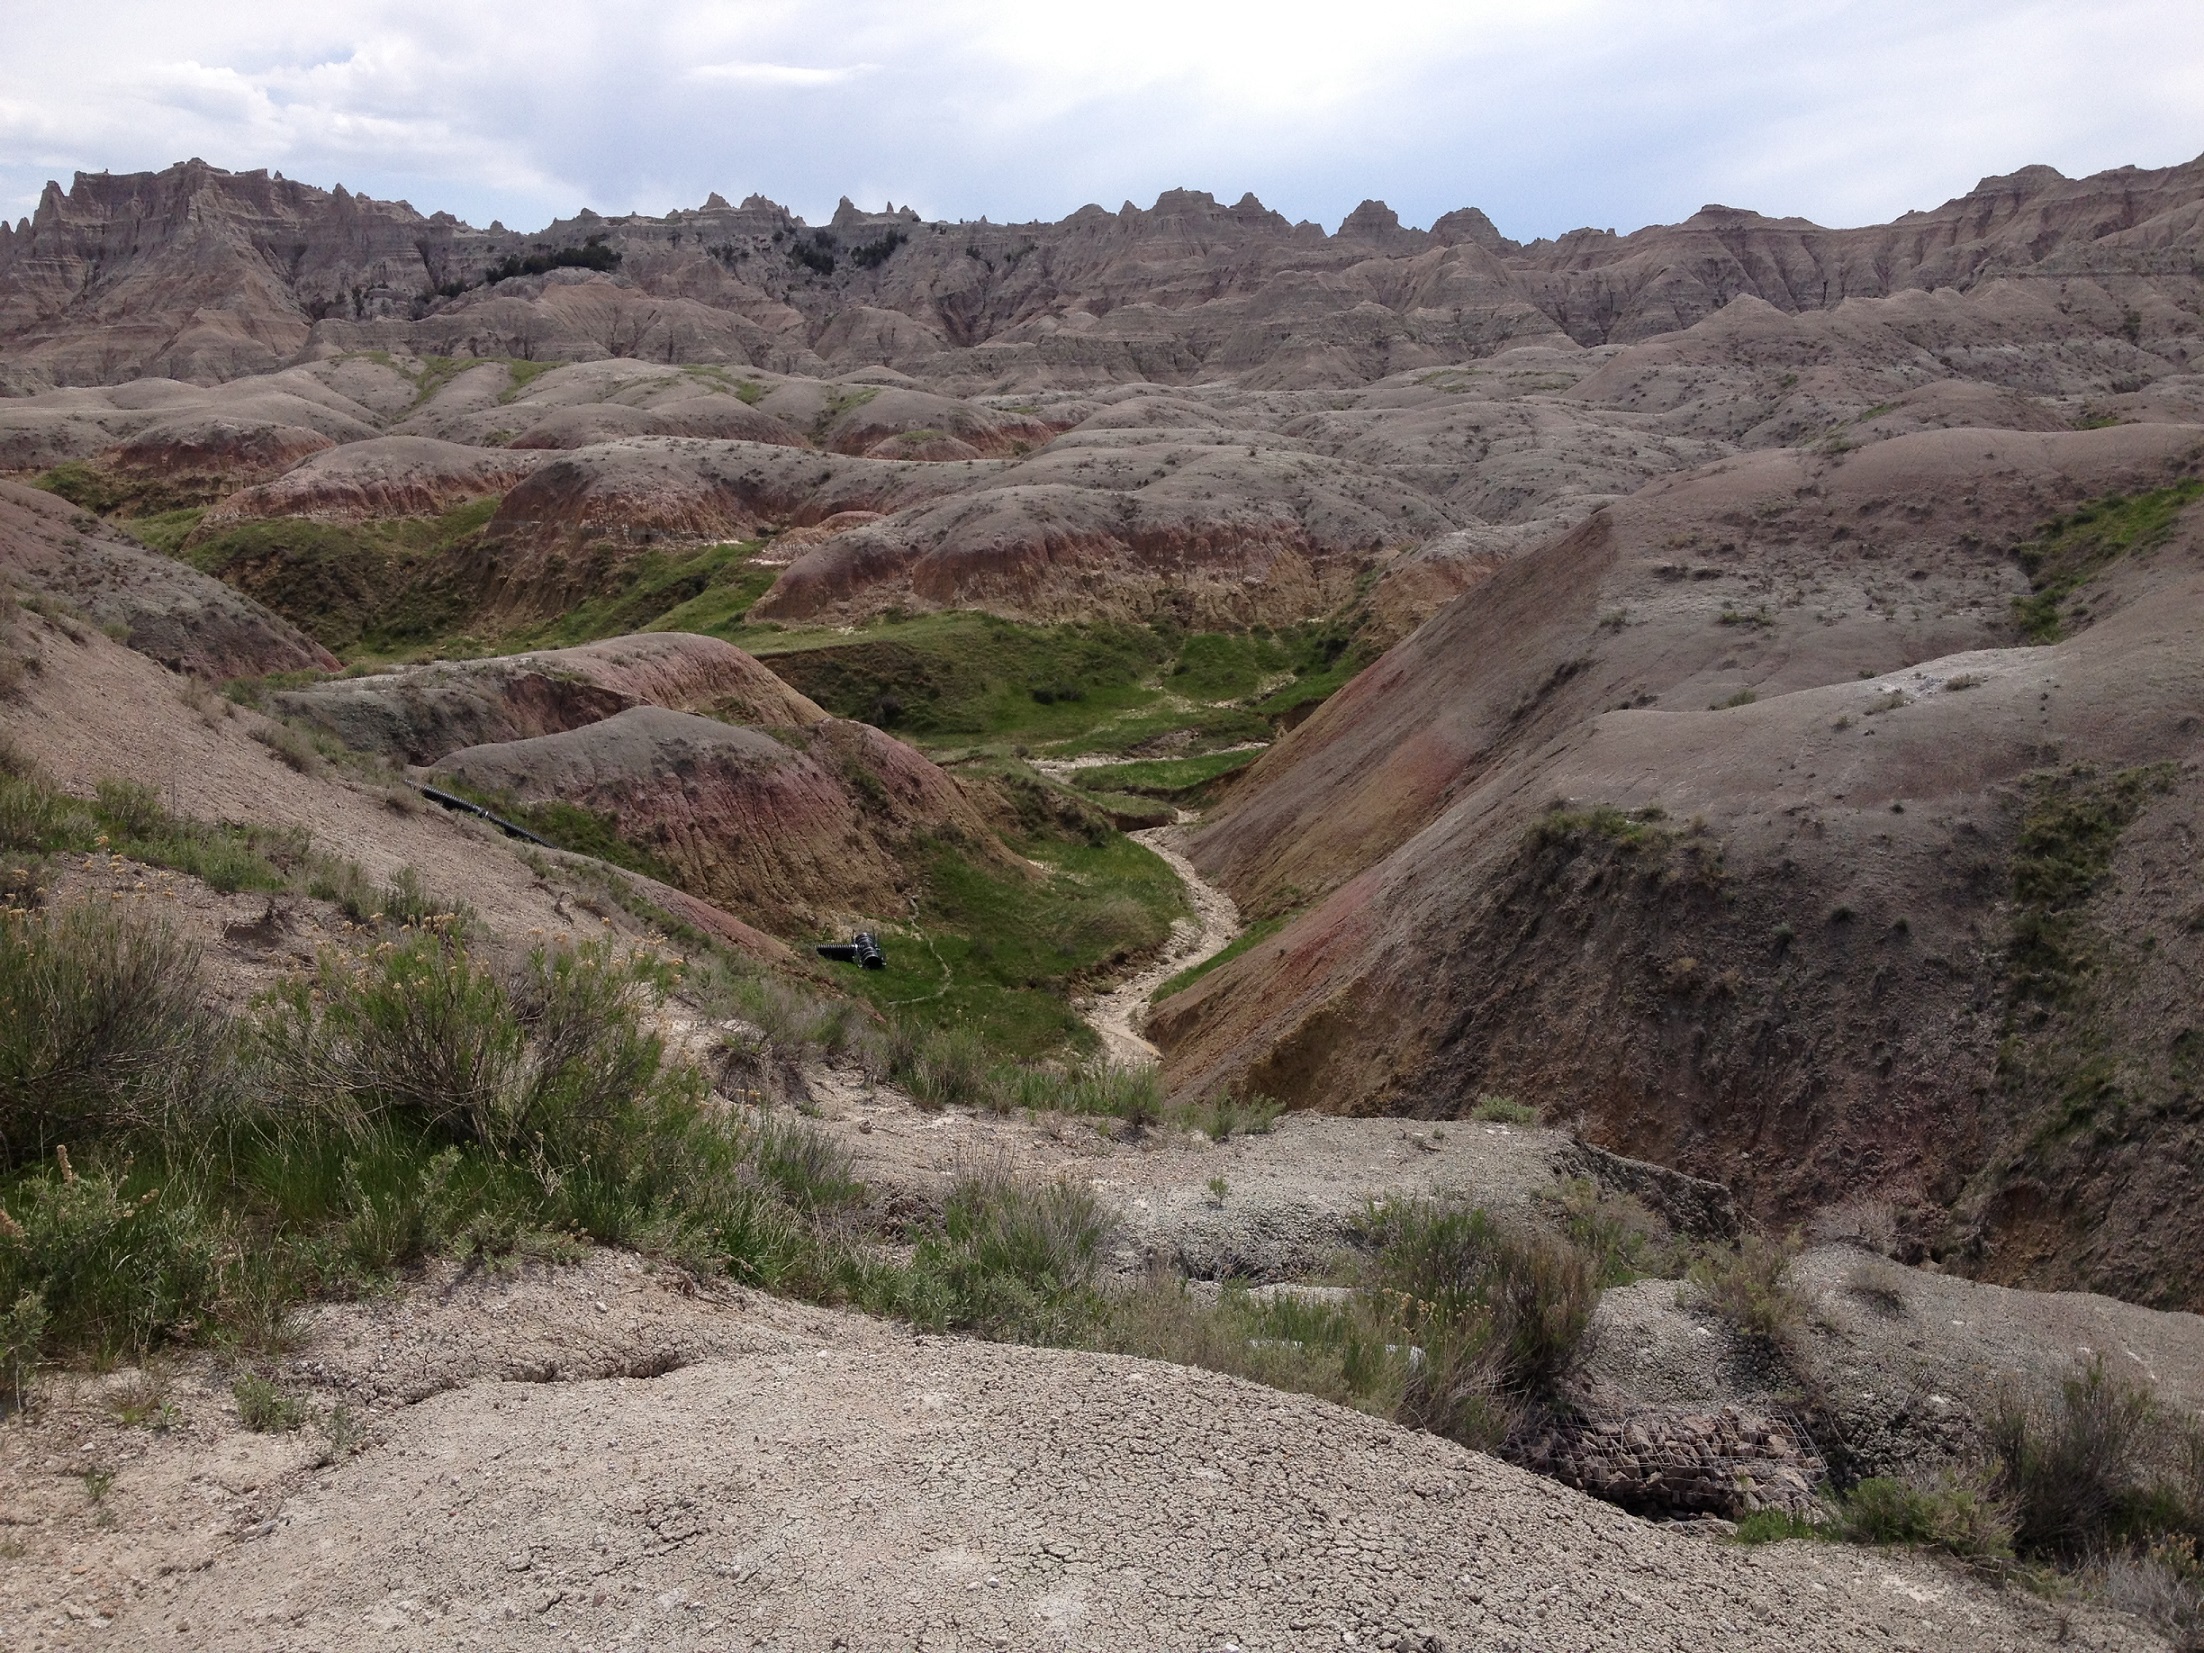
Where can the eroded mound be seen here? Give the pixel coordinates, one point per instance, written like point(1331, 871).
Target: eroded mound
point(421, 713)
point(796, 829)
point(182, 618)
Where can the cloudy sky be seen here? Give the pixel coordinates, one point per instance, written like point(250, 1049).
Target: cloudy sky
point(1547, 113)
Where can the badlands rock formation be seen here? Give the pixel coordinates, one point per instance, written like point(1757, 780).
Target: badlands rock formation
point(195, 272)
point(1719, 520)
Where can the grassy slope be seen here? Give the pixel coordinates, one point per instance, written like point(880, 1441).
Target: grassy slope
point(1000, 957)
point(1003, 955)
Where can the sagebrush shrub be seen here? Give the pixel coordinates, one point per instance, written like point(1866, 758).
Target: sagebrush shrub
point(110, 1271)
point(553, 1065)
point(101, 1029)
point(1490, 1304)
point(1749, 1285)
point(2075, 1470)
point(1013, 1258)
point(1956, 1515)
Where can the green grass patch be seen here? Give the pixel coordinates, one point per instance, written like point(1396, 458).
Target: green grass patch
point(109, 493)
point(523, 374)
point(2069, 832)
point(1002, 955)
point(973, 676)
point(1253, 936)
point(1626, 829)
point(165, 531)
point(979, 681)
point(1164, 777)
point(569, 826)
point(704, 590)
point(358, 589)
point(2072, 550)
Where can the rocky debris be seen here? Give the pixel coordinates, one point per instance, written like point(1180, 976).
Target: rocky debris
point(1901, 1368)
point(801, 828)
point(186, 620)
point(1668, 1462)
point(419, 714)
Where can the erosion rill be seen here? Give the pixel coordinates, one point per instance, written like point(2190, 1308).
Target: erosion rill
point(1159, 930)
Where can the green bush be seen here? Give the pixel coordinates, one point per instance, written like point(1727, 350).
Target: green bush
point(22, 1333)
point(111, 1271)
point(265, 1409)
point(1502, 1315)
point(101, 1029)
point(1749, 1285)
point(1013, 1259)
point(1503, 1110)
point(1226, 1115)
point(553, 1066)
point(952, 1067)
point(1966, 1520)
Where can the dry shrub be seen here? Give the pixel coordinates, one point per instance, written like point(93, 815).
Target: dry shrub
point(292, 746)
point(101, 1029)
point(2076, 1469)
point(1870, 1224)
point(1749, 1285)
point(1879, 1283)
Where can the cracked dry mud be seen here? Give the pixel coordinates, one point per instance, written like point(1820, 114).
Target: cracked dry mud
point(807, 1479)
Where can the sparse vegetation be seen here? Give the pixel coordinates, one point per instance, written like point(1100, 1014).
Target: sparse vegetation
point(1503, 1110)
point(1014, 1259)
point(2103, 1466)
point(266, 1409)
point(2068, 833)
point(2070, 551)
point(1251, 936)
point(1461, 1325)
point(592, 254)
point(1749, 1286)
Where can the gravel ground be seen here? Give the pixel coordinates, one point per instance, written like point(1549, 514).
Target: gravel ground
point(1911, 1362)
point(1290, 1194)
point(812, 1480)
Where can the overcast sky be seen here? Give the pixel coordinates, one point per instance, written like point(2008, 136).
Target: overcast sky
point(1549, 114)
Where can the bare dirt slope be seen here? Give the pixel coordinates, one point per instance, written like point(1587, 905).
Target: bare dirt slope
point(794, 1478)
point(819, 826)
point(1798, 976)
point(175, 614)
point(94, 711)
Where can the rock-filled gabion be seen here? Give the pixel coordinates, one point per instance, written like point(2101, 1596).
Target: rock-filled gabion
point(1683, 1461)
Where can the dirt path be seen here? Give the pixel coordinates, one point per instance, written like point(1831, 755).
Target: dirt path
point(1117, 1015)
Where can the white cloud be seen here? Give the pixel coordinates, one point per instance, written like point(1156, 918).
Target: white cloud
point(1612, 112)
point(777, 74)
